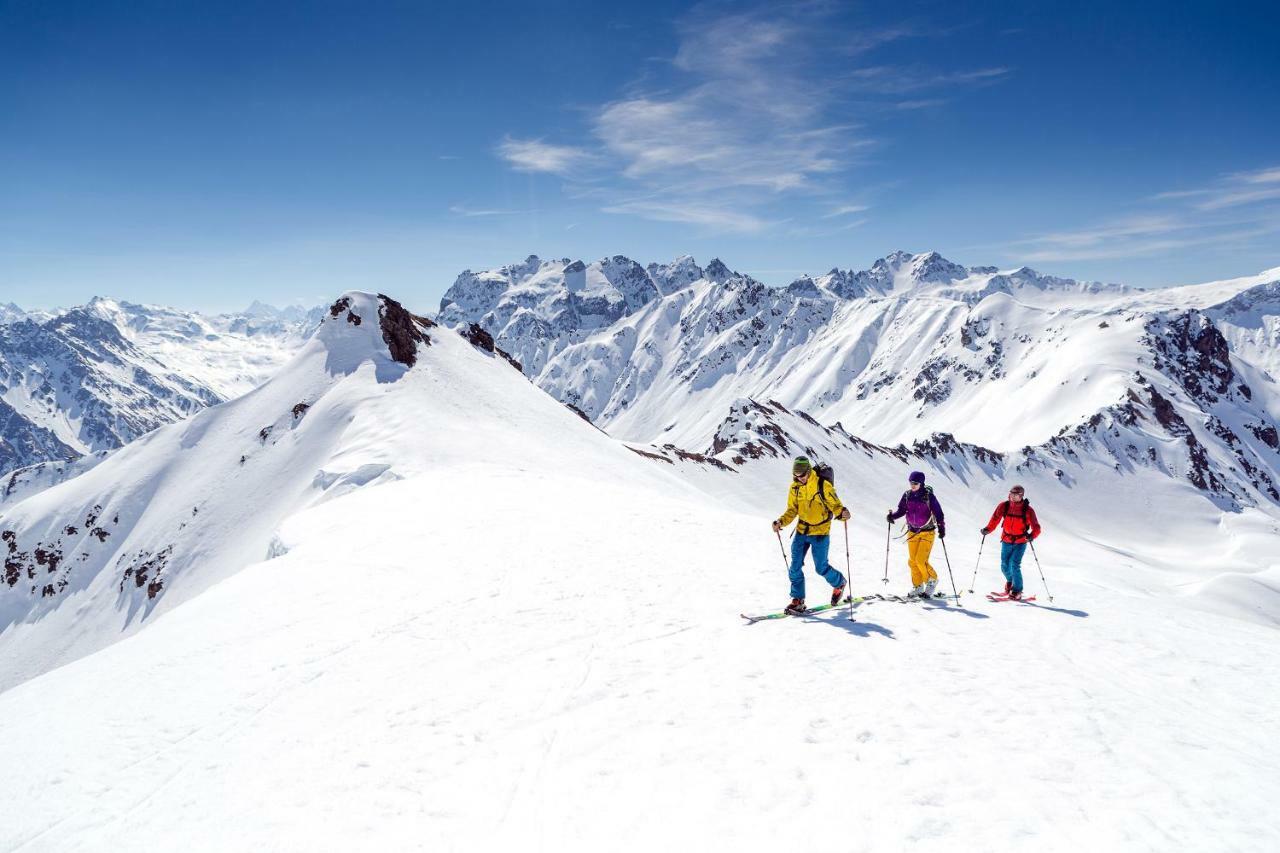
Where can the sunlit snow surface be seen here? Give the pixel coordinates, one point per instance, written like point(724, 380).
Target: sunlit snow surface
point(519, 632)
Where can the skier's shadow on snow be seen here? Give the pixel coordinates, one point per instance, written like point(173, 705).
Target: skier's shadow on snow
point(1079, 614)
point(858, 628)
point(954, 608)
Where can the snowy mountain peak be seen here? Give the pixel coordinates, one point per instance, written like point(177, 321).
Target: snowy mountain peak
point(931, 267)
point(362, 326)
point(678, 274)
point(261, 311)
point(716, 271)
point(11, 313)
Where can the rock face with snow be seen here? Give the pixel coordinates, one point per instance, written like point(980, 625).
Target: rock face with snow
point(98, 376)
point(536, 308)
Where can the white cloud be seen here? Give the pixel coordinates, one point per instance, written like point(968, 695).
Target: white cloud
point(920, 104)
point(752, 117)
point(1233, 199)
point(845, 210)
point(713, 218)
point(892, 80)
point(462, 210)
point(534, 155)
point(1260, 176)
point(1230, 211)
point(1232, 190)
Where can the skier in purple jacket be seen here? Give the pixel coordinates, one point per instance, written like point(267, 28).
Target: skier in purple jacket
point(924, 517)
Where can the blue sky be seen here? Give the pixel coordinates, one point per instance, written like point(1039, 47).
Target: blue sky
point(206, 154)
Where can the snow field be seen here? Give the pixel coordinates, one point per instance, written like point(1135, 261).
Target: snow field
point(556, 662)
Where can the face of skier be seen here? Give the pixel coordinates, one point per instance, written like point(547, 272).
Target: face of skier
point(802, 477)
point(915, 487)
point(1016, 497)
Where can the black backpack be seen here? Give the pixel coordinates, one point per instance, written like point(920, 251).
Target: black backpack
point(827, 475)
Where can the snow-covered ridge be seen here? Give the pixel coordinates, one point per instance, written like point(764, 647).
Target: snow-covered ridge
point(165, 516)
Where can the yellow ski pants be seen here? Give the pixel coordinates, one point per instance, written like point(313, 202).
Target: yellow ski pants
point(918, 547)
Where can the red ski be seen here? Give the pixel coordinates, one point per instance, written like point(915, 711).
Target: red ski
point(1000, 596)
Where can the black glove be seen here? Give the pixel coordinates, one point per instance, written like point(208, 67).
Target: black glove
point(889, 517)
point(942, 533)
point(984, 531)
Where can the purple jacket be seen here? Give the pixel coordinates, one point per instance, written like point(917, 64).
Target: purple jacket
point(918, 507)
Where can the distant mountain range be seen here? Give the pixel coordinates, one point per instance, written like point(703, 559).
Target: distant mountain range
point(914, 347)
point(95, 377)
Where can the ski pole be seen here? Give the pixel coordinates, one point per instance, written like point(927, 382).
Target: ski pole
point(848, 571)
point(975, 565)
point(947, 557)
point(782, 550)
point(1038, 566)
point(888, 531)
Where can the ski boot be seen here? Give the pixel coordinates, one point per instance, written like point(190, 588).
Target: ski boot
point(1008, 587)
point(929, 586)
point(1015, 594)
point(917, 592)
point(836, 595)
point(796, 607)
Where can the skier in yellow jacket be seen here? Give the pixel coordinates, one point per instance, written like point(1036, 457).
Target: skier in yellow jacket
point(813, 500)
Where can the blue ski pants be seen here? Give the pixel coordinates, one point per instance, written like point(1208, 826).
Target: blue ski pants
point(1011, 562)
point(821, 545)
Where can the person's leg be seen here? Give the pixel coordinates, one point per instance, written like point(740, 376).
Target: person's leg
point(1006, 560)
point(821, 550)
point(799, 547)
point(1015, 565)
point(918, 573)
point(926, 547)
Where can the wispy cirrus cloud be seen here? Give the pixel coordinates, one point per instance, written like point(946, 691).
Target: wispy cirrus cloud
point(749, 117)
point(1236, 210)
point(845, 210)
point(534, 155)
point(1232, 190)
point(463, 210)
point(717, 218)
point(888, 79)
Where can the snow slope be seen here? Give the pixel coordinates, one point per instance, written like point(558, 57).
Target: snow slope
point(529, 636)
point(165, 517)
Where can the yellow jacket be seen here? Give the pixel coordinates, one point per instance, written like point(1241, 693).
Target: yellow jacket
point(803, 501)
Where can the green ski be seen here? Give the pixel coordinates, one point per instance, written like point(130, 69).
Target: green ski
point(751, 620)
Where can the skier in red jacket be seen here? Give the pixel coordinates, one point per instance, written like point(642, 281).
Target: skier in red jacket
point(1020, 527)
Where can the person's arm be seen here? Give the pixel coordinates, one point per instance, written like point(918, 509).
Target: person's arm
point(995, 519)
point(894, 515)
point(938, 517)
point(1035, 523)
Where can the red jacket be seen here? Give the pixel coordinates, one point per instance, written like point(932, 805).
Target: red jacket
point(1016, 526)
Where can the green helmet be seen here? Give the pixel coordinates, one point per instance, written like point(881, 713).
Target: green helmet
point(801, 465)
